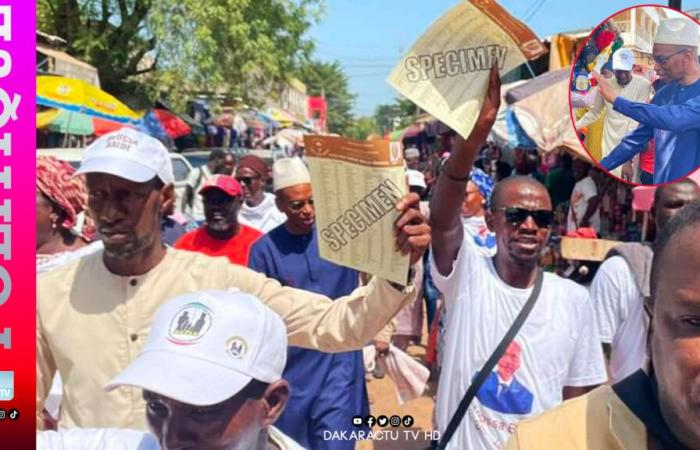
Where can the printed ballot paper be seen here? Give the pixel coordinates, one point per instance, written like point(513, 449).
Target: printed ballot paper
point(357, 185)
point(446, 71)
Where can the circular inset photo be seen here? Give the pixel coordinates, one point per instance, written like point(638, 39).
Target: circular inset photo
point(635, 95)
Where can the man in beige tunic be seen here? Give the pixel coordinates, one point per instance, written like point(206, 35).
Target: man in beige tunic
point(626, 84)
point(94, 315)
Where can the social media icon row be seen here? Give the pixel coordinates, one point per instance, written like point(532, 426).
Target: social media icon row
point(383, 421)
point(13, 414)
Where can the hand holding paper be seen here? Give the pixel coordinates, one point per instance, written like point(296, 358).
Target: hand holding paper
point(411, 228)
point(364, 218)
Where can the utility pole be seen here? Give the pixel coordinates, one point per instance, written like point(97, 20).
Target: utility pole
point(675, 4)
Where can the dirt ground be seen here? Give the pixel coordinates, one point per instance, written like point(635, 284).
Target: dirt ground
point(384, 401)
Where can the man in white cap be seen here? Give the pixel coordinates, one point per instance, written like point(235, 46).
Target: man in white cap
point(93, 315)
point(412, 157)
point(616, 126)
point(673, 117)
point(327, 389)
point(211, 376)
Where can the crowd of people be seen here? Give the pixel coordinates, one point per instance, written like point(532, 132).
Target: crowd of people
point(649, 118)
point(237, 334)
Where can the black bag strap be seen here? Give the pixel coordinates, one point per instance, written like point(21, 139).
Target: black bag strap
point(639, 393)
point(490, 364)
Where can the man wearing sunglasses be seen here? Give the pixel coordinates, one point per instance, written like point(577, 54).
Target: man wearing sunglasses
point(327, 389)
point(658, 406)
point(258, 209)
point(672, 118)
point(560, 353)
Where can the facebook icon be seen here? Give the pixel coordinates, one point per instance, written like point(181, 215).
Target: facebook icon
point(7, 386)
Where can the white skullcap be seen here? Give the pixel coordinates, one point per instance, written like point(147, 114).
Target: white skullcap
point(677, 31)
point(289, 172)
point(412, 153)
point(623, 59)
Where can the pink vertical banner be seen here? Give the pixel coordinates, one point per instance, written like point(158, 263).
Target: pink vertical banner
point(17, 223)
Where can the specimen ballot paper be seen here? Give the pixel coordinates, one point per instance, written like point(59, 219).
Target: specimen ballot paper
point(446, 71)
point(357, 185)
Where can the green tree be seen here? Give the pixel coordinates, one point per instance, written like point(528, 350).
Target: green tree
point(394, 116)
point(238, 47)
point(328, 78)
point(361, 128)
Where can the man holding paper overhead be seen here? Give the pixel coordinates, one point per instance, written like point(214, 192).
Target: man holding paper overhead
point(554, 355)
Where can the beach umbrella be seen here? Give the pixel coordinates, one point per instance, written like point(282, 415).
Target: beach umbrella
point(68, 122)
point(81, 97)
point(163, 125)
point(252, 121)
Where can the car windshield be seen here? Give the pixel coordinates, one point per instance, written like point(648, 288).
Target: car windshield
point(197, 160)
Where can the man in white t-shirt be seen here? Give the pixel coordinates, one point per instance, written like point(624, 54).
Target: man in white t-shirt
point(622, 282)
point(192, 205)
point(557, 355)
point(211, 374)
point(583, 208)
point(259, 209)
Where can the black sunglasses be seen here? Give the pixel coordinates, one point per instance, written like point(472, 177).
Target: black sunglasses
point(516, 216)
point(246, 180)
point(299, 205)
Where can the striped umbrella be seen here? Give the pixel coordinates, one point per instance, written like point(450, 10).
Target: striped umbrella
point(80, 97)
point(68, 122)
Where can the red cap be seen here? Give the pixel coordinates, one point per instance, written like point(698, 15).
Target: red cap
point(225, 183)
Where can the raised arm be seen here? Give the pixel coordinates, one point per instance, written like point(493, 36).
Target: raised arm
point(450, 187)
point(631, 145)
point(348, 323)
point(685, 116)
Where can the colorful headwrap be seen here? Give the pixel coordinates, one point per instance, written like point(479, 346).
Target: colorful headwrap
point(54, 178)
point(483, 182)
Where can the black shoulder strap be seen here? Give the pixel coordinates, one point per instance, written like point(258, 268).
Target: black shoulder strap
point(638, 392)
point(491, 363)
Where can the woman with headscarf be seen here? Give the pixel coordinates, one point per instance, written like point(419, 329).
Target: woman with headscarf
point(62, 230)
point(62, 235)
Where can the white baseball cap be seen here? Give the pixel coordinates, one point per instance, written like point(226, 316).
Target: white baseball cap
point(128, 154)
point(205, 347)
point(677, 31)
point(415, 178)
point(288, 172)
point(623, 59)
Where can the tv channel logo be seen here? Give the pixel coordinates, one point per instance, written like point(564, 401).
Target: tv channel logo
point(7, 385)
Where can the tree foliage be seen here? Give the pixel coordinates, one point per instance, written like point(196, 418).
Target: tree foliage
point(361, 128)
point(328, 78)
point(238, 47)
point(394, 116)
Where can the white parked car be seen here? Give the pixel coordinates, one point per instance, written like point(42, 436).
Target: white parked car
point(181, 167)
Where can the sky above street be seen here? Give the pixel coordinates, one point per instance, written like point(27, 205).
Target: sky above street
point(369, 36)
